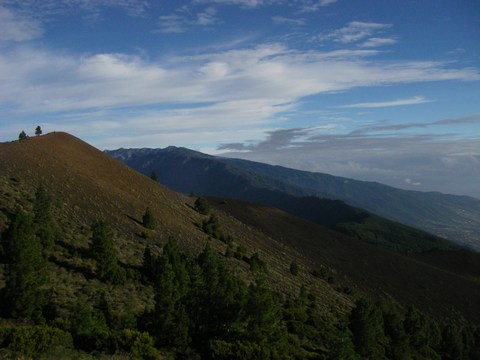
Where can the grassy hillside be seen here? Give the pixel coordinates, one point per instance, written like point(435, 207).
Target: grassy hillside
point(261, 247)
point(453, 217)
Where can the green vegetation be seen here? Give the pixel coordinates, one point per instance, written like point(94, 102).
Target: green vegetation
point(38, 131)
point(22, 136)
point(201, 310)
point(104, 253)
point(148, 219)
point(294, 269)
point(26, 273)
point(201, 205)
point(153, 175)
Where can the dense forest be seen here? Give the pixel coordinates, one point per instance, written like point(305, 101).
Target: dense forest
point(198, 310)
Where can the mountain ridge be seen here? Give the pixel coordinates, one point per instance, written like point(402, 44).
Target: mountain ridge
point(451, 216)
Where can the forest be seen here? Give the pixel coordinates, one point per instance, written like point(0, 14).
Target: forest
point(200, 309)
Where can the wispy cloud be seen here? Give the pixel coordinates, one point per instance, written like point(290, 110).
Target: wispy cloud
point(429, 161)
point(89, 9)
point(44, 81)
point(375, 42)
point(353, 32)
point(288, 21)
point(399, 102)
point(16, 28)
point(303, 5)
point(183, 21)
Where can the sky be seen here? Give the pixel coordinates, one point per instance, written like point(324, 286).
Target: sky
point(377, 90)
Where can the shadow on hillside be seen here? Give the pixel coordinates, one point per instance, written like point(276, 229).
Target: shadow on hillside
point(134, 219)
point(85, 271)
point(82, 252)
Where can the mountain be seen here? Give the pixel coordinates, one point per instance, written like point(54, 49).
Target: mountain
point(456, 218)
point(121, 316)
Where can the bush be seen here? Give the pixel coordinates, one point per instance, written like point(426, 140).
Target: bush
point(31, 341)
point(148, 219)
point(294, 269)
point(201, 205)
point(139, 344)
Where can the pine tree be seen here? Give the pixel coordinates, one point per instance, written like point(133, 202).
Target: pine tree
point(366, 324)
point(148, 220)
point(153, 175)
point(104, 253)
point(201, 205)
point(43, 218)
point(38, 131)
point(26, 272)
point(22, 136)
point(294, 268)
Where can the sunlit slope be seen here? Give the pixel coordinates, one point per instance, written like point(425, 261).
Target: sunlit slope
point(88, 185)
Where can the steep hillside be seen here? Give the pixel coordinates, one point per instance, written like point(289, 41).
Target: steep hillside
point(423, 279)
point(188, 171)
point(163, 304)
point(88, 185)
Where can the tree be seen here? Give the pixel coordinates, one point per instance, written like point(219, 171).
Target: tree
point(38, 130)
point(148, 219)
point(171, 285)
point(104, 253)
point(43, 218)
point(201, 205)
point(26, 272)
point(294, 268)
point(366, 324)
point(153, 175)
point(22, 136)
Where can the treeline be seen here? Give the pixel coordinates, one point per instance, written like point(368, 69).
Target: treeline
point(201, 310)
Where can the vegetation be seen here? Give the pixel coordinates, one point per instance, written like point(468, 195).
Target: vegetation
point(38, 131)
point(104, 253)
point(201, 310)
point(97, 289)
point(22, 136)
point(153, 175)
point(201, 205)
point(148, 220)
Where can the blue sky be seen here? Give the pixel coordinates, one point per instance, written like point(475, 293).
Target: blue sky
point(381, 90)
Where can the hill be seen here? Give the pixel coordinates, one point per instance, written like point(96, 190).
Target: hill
point(313, 196)
point(189, 305)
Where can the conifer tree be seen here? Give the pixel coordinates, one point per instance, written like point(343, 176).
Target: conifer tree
point(366, 324)
point(104, 253)
point(22, 136)
point(201, 205)
point(153, 175)
point(26, 272)
point(38, 130)
point(148, 219)
point(43, 218)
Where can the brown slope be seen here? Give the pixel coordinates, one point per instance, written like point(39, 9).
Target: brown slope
point(89, 185)
point(93, 186)
point(427, 285)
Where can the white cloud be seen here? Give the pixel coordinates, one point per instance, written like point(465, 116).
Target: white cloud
point(43, 81)
point(184, 21)
point(207, 17)
point(17, 28)
point(411, 182)
point(354, 31)
point(375, 42)
point(173, 23)
point(304, 5)
point(288, 21)
point(400, 102)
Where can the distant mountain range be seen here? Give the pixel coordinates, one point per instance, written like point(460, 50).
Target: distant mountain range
point(313, 196)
